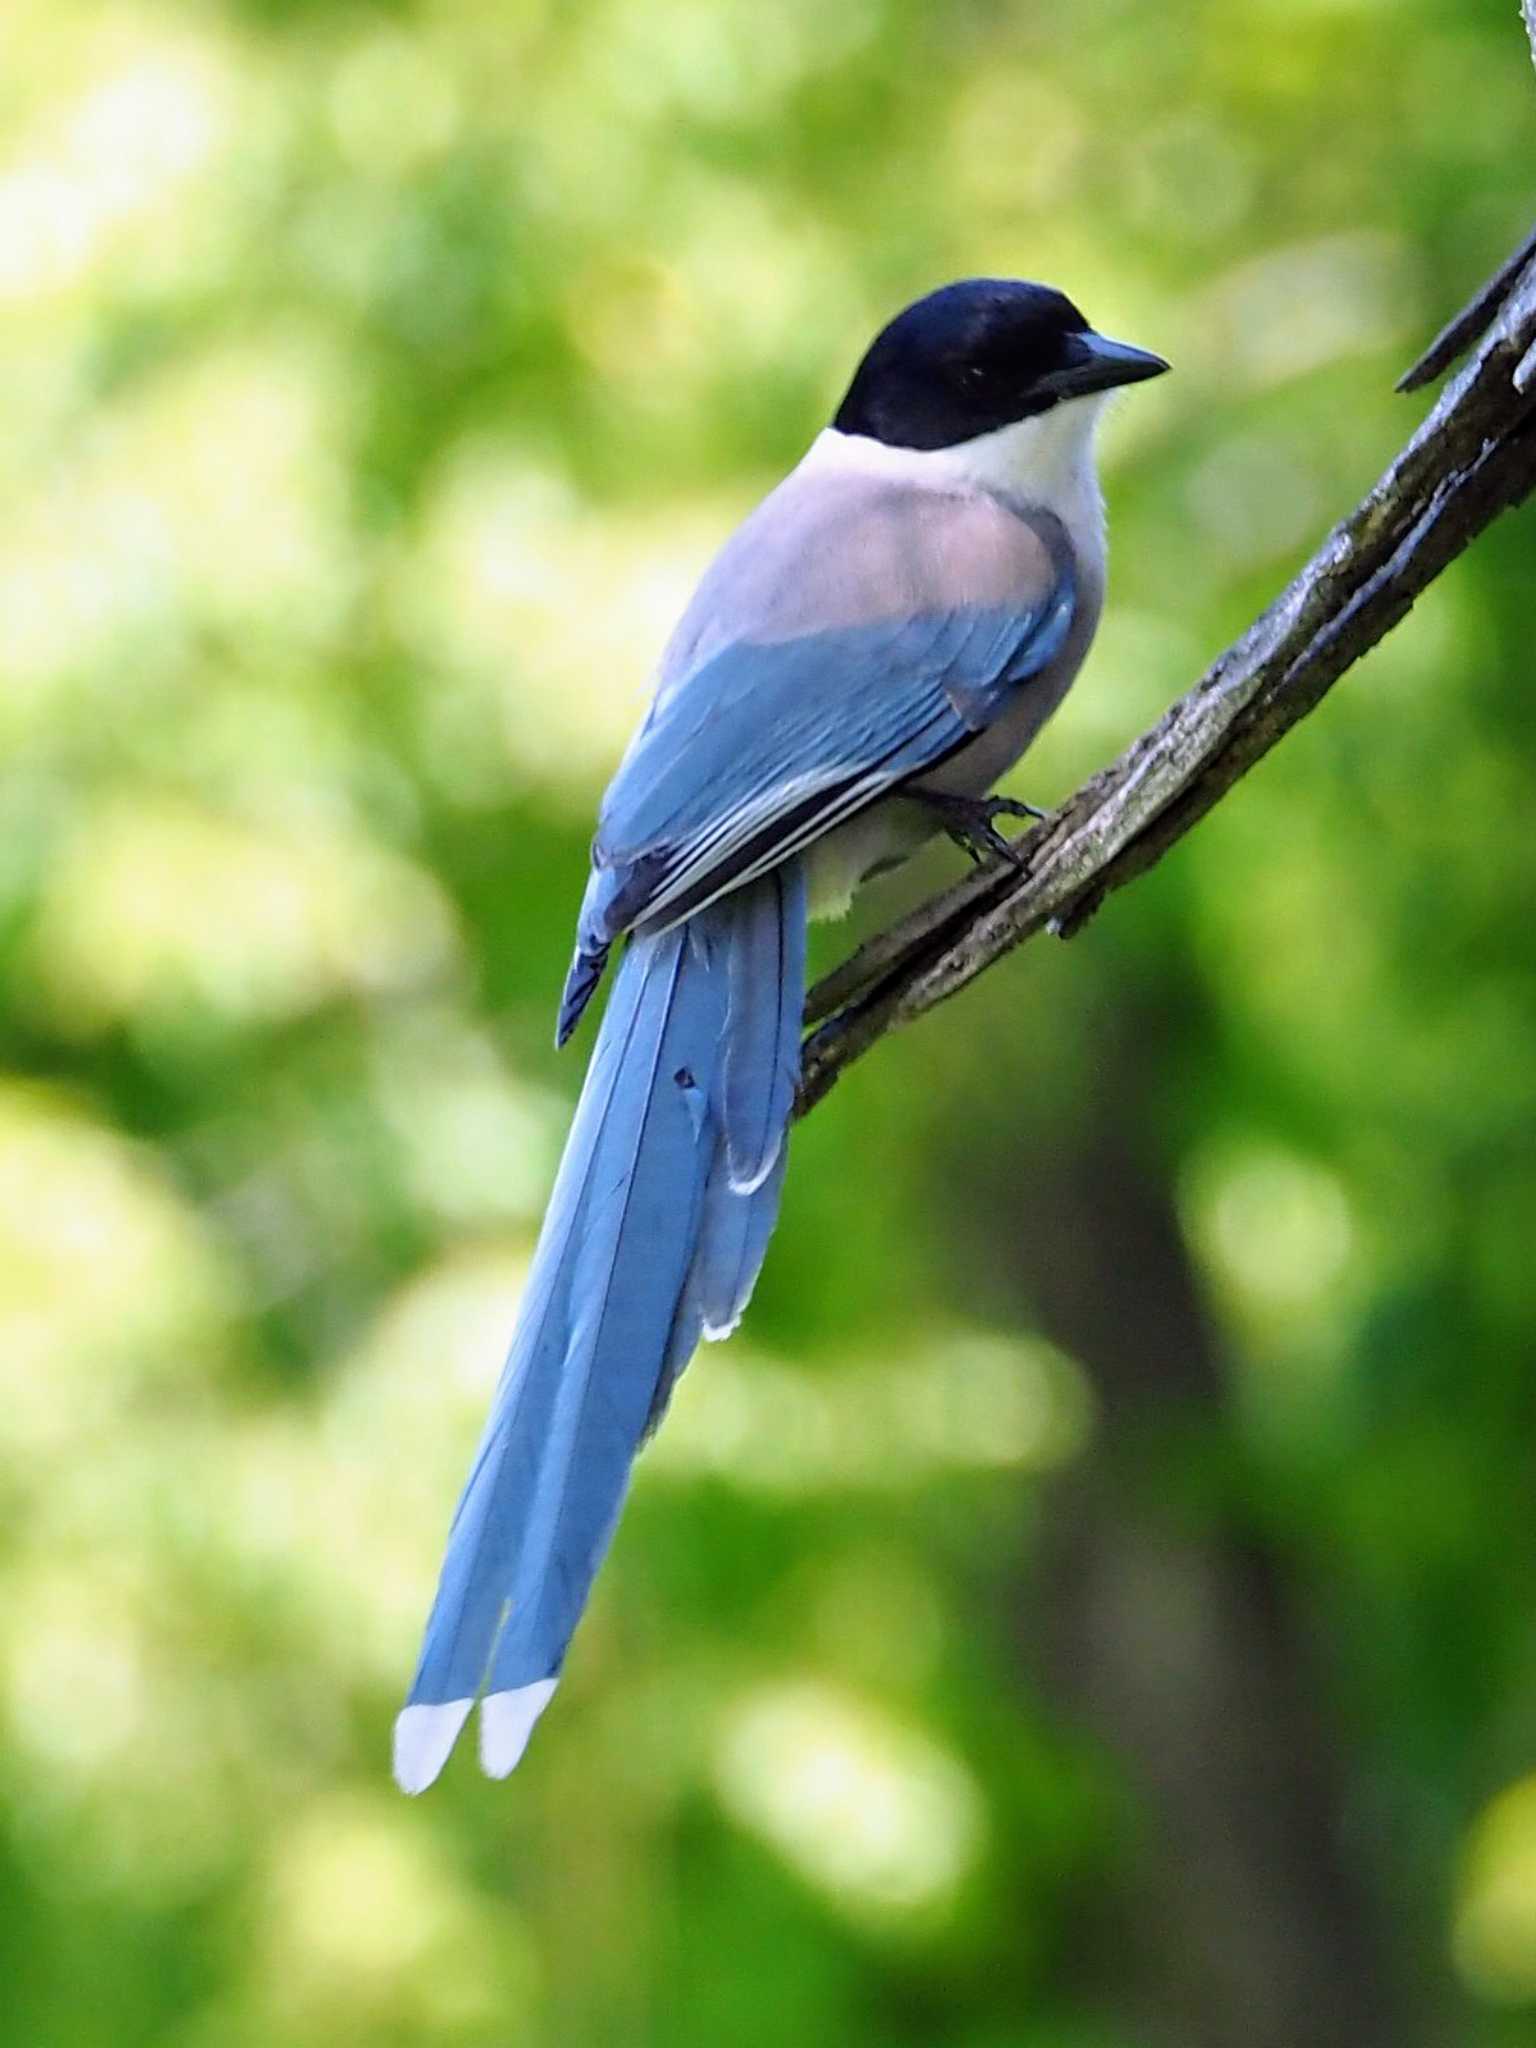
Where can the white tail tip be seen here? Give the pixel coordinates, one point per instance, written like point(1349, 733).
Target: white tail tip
point(423, 1738)
point(506, 1722)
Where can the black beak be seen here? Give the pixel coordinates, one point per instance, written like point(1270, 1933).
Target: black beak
point(1095, 363)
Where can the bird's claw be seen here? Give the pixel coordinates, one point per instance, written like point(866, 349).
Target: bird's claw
point(968, 820)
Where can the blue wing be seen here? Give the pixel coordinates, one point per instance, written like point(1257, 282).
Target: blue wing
point(764, 745)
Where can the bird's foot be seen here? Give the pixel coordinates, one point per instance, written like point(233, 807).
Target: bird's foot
point(971, 821)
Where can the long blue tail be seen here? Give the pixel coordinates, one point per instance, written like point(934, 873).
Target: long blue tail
point(657, 1226)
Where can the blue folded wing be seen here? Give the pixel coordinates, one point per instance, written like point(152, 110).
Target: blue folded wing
point(765, 746)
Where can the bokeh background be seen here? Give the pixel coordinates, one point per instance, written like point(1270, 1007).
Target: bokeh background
point(1091, 1604)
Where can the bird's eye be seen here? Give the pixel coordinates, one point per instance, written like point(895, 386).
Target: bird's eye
point(976, 376)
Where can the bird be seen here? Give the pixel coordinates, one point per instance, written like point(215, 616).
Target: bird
point(871, 650)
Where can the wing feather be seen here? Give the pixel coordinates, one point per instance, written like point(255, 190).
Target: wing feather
point(763, 738)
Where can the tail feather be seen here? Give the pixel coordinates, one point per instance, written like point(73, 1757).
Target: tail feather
point(762, 1053)
point(648, 1242)
point(733, 1235)
point(761, 1070)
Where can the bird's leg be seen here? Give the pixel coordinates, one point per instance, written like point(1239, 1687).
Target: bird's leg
point(970, 820)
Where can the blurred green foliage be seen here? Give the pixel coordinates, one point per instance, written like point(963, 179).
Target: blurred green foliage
point(377, 379)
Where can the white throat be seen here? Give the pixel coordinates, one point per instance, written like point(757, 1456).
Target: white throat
point(1046, 460)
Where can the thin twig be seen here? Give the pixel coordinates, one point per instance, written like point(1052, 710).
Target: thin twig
point(1458, 335)
point(1471, 459)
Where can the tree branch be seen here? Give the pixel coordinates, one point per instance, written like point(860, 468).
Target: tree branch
point(1472, 458)
point(1458, 334)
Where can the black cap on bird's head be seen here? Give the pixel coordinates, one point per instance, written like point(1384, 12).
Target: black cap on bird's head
point(979, 355)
